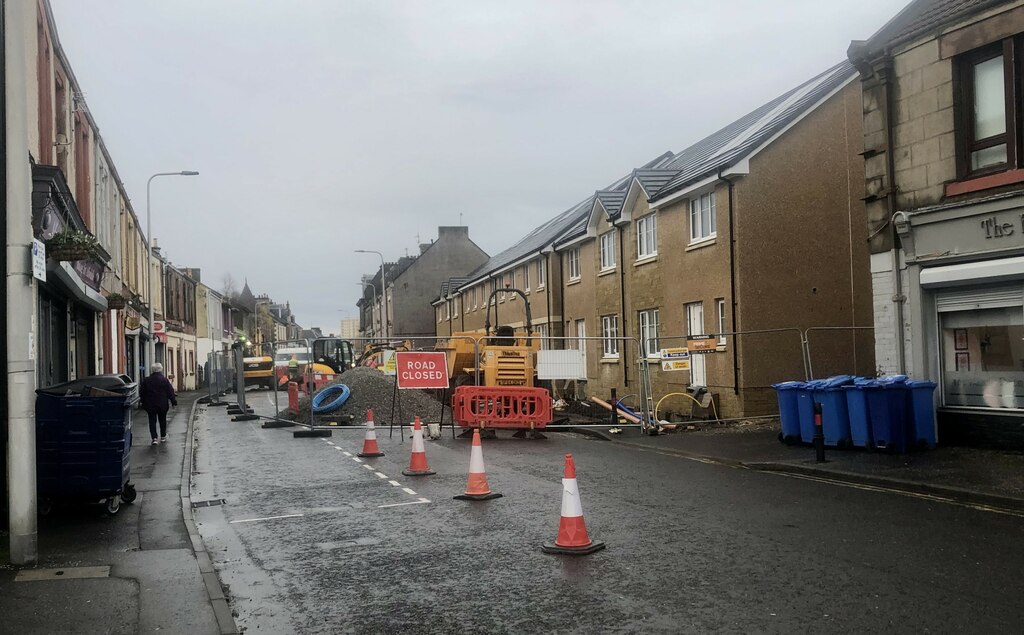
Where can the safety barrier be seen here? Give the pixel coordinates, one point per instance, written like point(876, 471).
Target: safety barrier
point(501, 407)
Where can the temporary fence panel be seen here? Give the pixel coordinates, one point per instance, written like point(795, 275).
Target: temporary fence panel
point(840, 350)
point(553, 364)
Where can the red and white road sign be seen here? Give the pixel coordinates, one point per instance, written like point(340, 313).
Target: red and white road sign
point(421, 370)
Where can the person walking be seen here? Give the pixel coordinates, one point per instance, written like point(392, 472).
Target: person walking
point(157, 395)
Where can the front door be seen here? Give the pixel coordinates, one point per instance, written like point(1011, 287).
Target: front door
point(695, 326)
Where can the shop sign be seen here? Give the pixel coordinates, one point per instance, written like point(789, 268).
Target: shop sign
point(159, 326)
point(38, 260)
point(701, 344)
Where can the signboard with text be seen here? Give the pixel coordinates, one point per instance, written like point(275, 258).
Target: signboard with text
point(675, 359)
point(701, 344)
point(38, 260)
point(421, 370)
point(388, 365)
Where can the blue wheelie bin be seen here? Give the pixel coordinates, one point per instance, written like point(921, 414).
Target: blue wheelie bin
point(922, 413)
point(835, 418)
point(789, 413)
point(887, 403)
point(805, 410)
point(857, 407)
point(83, 443)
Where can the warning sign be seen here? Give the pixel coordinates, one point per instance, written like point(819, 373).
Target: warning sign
point(675, 359)
point(388, 367)
point(700, 344)
point(421, 370)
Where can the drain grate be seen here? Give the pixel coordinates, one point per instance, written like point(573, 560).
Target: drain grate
point(210, 503)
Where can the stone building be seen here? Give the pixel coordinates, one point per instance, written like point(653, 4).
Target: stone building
point(944, 187)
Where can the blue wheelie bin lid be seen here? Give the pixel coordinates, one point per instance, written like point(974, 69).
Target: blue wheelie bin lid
point(892, 379)
point(836, 381)
point(920, 383)
point(788, 385)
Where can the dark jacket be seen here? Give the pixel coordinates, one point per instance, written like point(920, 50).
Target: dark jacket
point(156, 393)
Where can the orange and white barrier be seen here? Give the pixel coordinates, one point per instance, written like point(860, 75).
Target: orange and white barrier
point(477, 488)
point(572, 530)
point(418, 460)
point(370, 447)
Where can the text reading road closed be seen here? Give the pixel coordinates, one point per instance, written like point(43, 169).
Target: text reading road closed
point(421, 370)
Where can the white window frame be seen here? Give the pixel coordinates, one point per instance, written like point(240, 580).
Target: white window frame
point(542, 273)
point(526, 278)
point(698, 232)
point(647, 236)
point(650, 324)
point(581, 342)
point(720, 306)
point(609, 335)
point(447, 309)
point(573, 256)
point(542, 333)
point(608, 251)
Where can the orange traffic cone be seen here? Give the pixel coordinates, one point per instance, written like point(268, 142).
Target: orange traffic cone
point(477, 488)
point(418, 460)
point(370, 448)
point(572, 530)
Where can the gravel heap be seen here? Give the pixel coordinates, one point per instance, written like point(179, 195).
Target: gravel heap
point(373, 389)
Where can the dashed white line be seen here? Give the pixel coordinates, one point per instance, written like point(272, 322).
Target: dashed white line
point(369, 467)
point(253, 520)
point(395, 483)
point(416, 502)
point(408, 491)
point(379, 475)
point(345, 453)
point(357, 459)
point(330, 443)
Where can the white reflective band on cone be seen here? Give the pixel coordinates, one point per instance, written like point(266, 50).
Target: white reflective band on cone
point(476, 460)
point(571, 506)
point(417, 441)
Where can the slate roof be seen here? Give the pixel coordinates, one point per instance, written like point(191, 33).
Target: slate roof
point(451, 285)
point(735, 141)
point(612, 201)
point(922, 17)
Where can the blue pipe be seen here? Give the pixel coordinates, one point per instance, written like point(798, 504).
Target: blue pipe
point(320, 407)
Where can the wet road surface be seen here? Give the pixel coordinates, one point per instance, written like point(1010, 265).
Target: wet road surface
point(312, 539)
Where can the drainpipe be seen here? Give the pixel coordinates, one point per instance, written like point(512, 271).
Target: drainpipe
point(561, 278)
point(622, 300)
point(21, 300)
point(890, 166)
point(732, 284)
point(547, 298)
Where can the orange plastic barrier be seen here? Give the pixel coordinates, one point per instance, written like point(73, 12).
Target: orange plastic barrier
point(501, 407)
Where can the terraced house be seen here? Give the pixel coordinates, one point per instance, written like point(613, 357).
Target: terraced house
point(751, 235)
point(944, 186)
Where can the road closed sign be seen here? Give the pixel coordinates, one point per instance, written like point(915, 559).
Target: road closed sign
point(421, 370)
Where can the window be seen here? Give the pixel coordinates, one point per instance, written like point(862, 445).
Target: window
point(542, 333)
point(494, 287)
point(512, 276)
point(649, 332)
point(981, 349)
point(702, 217)
point(987, 111)
point(647, 236)
point(608, 250)
point(721, 321)
point(542, 273)
point(526, 278)
point(610, 333)
point(448, 309)
point(574, 264)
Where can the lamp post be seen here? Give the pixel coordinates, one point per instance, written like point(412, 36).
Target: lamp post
point(374, 289)
point(385, 322)
point(149, 261)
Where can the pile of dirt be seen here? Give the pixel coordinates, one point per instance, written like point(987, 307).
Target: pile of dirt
point(372, 389)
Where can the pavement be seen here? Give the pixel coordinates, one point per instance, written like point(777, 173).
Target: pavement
point(141, 570)
point(965, 475)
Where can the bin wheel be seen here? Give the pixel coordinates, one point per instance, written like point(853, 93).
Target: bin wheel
point(113, 504)
point(44, 506)
point(128, 494)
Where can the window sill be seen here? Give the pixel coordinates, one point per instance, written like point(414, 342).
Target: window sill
point(605, 272)
point(703, 242)
point(540, 287)
point(573, 281)
point(639, 262)
point(985, 182)
point(611, 359)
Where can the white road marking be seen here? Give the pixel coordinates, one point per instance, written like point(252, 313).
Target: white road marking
point(408, 491)
point(395, 483)
point(379, 475)
point(330, 443)
point(416, 502)
point(253, 520)
point(357, 459)
point(345, 453)
point(369, 467)
point(339, 449)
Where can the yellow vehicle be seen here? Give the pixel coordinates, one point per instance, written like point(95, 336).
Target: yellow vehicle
point(258, 370)
point(506, 358)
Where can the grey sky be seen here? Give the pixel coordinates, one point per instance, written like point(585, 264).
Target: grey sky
point(322, 126)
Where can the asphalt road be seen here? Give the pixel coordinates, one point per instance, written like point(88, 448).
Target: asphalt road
point(311, 540)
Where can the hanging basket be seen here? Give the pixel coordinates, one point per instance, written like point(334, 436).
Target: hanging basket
point(68, 252)
point(71, 245)
point(116, 301)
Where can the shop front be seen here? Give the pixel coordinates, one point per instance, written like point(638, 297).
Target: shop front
point(965, 307)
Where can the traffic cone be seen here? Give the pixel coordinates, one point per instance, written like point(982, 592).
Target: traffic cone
point(370, 448)
point(477, 488)
point(418, 460)
point(572, 530)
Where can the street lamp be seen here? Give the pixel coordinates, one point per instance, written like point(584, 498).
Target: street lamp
point(374, 289)
point(149, 261)
point(385, 322)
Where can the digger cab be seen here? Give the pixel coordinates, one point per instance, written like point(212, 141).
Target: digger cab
point(335, 353)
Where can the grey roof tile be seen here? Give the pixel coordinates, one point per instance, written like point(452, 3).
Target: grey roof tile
point(921, 17)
